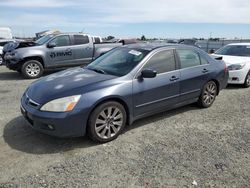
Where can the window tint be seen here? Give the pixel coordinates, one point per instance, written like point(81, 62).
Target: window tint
point(161, 62)
point(234, 50)
point(81, 39)
point(61, 40)
point(203, 60)
point(97, 40)
point(188, 58)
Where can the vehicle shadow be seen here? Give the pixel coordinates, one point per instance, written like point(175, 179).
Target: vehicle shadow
point(19, 136)
point(11, 76)
point(234, 86)
point(14, 75)
point(160, 116)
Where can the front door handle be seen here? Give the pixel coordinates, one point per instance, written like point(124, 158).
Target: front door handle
point(205, 71)
point(174, 78)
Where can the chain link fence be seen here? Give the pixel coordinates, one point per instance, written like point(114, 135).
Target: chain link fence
point(209, 45)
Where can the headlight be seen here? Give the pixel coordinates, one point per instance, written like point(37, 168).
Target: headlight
point(62, 104)
point(236, 66)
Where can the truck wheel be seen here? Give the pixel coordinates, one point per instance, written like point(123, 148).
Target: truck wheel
point(32, 69)
point(247, 81)
point(106, 122)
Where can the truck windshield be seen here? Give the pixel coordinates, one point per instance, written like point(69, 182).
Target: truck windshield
point(44, 39)
point(118, 62)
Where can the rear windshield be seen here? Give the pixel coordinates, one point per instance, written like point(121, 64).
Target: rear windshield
point(235, 50)
point(119, 61)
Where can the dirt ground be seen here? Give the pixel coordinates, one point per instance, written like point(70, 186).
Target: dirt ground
point(185, 147)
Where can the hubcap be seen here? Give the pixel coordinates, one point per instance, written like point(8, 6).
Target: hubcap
point(32, 69)
point(108, 122)
point(209, 93)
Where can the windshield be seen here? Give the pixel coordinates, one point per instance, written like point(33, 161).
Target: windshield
point(118, 62)
point(234, 50)
point(44, 39)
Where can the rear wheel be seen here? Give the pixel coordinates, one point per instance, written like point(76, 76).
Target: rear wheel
point(208, 94)
point(106, 122)
point(32, 69)
point(247, 81)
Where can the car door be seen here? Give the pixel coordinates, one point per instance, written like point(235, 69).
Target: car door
point(59, 52)
point(82, 49)
point(162, 91)
point(194, 71)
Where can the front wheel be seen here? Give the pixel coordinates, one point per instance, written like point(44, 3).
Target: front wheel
point(247, 81)
point(208, 94)
point(106, 122)
point(32, 69)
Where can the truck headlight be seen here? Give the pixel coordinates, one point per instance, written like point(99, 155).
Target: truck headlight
point(236, 66)
point(65, 104)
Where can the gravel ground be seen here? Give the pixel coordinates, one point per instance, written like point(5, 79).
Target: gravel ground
point(185, 147)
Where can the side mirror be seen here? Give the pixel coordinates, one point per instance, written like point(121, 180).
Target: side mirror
point(148, 73)
point(51, 45)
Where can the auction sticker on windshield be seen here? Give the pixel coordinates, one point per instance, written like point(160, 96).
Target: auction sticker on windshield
point(134, 52)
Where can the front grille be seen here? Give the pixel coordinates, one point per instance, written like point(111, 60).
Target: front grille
point(30, 102)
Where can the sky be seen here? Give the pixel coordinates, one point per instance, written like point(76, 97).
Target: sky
point(129, 18)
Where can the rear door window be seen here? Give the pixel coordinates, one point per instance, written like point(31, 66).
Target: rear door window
point(163, 61)
point(81, 39)
point(188, 58)
point(97, 40)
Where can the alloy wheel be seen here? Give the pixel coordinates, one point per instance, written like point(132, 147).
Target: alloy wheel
point(33, 69)
point(108, 123)
point(210, 93)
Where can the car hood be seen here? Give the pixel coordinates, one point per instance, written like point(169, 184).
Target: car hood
point(65, 83)
point(17, 44)
point(229, 60)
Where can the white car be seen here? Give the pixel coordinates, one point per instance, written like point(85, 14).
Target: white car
point(237, 59)
point(1, 52)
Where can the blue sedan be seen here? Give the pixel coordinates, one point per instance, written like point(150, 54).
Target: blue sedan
point(121, 86)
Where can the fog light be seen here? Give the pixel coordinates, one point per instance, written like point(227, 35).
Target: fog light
point(51, 127)
point(235, 79)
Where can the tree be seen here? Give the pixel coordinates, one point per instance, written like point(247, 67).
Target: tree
point(143, 38)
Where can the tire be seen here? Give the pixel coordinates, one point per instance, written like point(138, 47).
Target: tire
point(32, 69)
point(247, 81)
point(208, 94)
point(106, 122)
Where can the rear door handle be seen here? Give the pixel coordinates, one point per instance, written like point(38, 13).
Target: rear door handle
point(205, 71)
point(173, 78)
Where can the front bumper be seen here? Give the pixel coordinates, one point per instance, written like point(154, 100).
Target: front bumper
point(11, 62)
point(68, 124)
point(237, 76)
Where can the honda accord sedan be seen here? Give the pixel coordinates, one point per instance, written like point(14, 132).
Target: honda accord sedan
point(123, 85)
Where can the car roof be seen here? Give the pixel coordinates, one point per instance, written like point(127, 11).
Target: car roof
point(240, 44)
point(153, 46)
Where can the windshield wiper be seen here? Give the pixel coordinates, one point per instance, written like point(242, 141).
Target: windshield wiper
point(97, 70)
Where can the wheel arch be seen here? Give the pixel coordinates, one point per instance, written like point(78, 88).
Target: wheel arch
point(116, 99)
point(217, 84)
point(37, 58)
